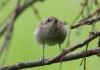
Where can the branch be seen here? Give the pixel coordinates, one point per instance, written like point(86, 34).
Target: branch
point(3, 24)
point(66, 51)
point(88, 20)
point(19, 11)
point(26, 5)
point(9, 28)
point(36, 63)
point(10, 22)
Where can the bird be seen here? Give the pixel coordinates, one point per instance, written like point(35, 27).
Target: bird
point(50, 31)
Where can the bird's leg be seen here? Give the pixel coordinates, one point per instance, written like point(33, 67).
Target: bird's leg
point(60, 66)
point(59, 47)
point(43, 58)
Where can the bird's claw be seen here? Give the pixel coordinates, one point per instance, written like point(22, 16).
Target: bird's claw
point(43, 61)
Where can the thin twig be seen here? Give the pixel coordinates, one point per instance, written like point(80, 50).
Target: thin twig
point(69, 34)
point(4, 24)
point(19, 11)
point(9, 28)
point(87, 20)
point(3, 4)
point(36, 12)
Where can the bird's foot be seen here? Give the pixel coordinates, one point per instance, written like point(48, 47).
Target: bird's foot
point(43, 61)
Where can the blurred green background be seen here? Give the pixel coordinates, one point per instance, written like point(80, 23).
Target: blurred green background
point(24, 48)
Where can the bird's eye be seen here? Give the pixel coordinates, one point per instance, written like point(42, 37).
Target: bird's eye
point(49, 20)
point(55, 21)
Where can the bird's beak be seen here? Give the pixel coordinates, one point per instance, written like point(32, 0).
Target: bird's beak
point(54, 21)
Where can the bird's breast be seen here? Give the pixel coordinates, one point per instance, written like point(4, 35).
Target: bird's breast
point(52, 37)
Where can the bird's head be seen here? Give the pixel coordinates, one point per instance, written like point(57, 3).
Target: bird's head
point(51, 22)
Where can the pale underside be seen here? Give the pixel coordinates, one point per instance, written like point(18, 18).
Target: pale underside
point(45, 36)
